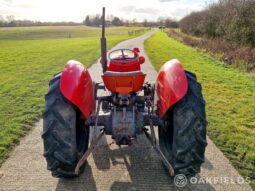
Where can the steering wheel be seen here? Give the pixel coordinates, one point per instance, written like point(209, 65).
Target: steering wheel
point(123, 55)
point(118, 56)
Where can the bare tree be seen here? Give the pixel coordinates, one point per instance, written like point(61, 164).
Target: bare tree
point(232, 20)
point(10, 18)
point(145, 23)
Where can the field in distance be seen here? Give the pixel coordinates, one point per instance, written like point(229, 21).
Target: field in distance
point(46, 32)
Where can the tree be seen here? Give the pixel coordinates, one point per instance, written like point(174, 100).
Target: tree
point(231, 20)
point(134, 22)
point(160, 21)
point(10, 18)
point(145, 23)
point(1, 21)
point(117, 22)
point(87, 21)
point(171, 23)
point(1, 18)
point(97, 21)
point(127, 23)
point(110, 17)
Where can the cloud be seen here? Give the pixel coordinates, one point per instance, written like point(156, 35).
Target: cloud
point(46, 10)
point(180, 13)
point(166, 0)
point(127, 9)
point(8, 1)
point(147, 10)
point(4, 12)
point(19, 5)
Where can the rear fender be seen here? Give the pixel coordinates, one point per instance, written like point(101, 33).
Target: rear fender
point(76, 85)
point(171, 85)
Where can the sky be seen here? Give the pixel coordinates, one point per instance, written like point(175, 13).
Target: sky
point(76, 10)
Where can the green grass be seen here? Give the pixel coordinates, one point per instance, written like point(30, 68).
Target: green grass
point(26, 66)
point(53, 32)
point(230, 98)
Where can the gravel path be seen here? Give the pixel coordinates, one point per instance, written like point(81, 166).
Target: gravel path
point(110, 168)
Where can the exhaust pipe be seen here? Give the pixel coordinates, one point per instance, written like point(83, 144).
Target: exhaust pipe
point(103, 44)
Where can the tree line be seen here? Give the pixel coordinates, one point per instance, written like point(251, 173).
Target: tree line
point(90, 20)
point(230, 20)
point(10, 21)
point(116, 21)
point(96, 21)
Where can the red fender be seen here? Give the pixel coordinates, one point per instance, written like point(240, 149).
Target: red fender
point(77, 86)
point(171, 85)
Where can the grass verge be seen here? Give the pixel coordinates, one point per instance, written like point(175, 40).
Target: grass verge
point(230, 98)
point(26, 66)
point(230, 54)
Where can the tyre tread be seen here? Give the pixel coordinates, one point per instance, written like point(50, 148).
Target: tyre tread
point(59, 132)
point(189, 130)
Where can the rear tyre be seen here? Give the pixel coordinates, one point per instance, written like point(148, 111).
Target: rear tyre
point(65, 135)
point(182, 138)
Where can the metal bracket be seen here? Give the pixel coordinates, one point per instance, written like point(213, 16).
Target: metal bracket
point(87, 153)
point(93, 144)
point(96, 122)
point(153, 141)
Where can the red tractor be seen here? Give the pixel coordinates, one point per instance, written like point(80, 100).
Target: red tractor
point(175, 105)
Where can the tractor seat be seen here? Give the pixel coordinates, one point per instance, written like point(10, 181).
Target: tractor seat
point(123, 82)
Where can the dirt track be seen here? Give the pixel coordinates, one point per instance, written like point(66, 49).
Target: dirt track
point(109, 168)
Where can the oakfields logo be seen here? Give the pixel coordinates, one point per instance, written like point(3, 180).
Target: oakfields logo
point(181, 180)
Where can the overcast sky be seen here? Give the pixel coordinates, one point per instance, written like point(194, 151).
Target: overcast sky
point(75, 10)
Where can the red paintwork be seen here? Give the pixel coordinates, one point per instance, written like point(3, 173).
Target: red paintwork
point(124, 84)
point(123, 77)
point(76, 85)
point(171, 85)
point(137, 50)
point(141, 59)
point(129, 66)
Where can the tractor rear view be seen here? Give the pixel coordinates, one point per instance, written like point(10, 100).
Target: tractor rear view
point(174, 105)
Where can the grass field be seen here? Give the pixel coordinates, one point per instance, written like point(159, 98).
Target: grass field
point(53, 32)
point(26, 66)
point(230, 98)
